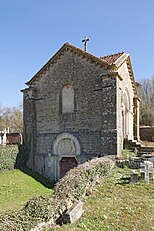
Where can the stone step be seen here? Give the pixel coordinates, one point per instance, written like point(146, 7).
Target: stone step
point(132, 144)
point(141, 149)
point(135, 143)
point(143, 153)
point(146, 149)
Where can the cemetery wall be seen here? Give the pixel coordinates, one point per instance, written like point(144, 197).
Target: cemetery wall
point(147, 134)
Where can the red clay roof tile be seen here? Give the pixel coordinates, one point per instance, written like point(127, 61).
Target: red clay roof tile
point(110, 59)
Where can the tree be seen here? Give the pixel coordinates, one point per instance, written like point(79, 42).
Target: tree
point(12, 118)
point(1, 123)
point(146, 93)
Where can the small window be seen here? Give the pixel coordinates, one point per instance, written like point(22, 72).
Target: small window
point(67, 99)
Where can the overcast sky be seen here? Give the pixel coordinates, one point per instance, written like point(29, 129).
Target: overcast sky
point(31, 31)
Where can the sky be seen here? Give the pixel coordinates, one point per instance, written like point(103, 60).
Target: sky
point(32, 31)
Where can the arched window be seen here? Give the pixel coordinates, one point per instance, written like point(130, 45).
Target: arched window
point(67, 99)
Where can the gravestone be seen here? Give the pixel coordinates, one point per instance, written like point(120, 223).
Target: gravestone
point(151, 159)
point(146, 169)
point(134, 178)
point(73, 214)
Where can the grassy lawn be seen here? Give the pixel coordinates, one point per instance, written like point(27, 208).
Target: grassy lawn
point(117, 207)
point(114, 205)
point(16, 187)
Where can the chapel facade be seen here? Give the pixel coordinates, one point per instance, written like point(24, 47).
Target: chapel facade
point(77, 107)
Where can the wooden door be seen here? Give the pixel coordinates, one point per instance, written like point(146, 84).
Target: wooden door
point(66, 164)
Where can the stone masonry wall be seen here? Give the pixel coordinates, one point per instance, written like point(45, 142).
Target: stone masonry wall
point(93, 121)
point(109, 130)
point(147, 133)
point(29, 124)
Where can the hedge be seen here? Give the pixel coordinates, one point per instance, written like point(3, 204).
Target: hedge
point(42, 212)
point(8, 155)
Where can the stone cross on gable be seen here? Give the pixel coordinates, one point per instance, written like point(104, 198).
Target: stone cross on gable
point(85, 41)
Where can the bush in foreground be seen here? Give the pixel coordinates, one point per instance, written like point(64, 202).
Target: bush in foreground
point(72, 187)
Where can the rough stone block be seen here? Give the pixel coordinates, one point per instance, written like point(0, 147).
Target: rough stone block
point(73, 214)
point(134, 178)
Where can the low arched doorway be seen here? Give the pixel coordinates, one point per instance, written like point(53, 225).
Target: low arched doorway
point(67, 154)
point(67, 163)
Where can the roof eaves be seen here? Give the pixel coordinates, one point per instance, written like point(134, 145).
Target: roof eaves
point(67, 46)
point(129, 65)
point(47, 64)
point(111, 59)
point(121, 60)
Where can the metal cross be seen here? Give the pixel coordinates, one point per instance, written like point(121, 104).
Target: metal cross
point(85, 41)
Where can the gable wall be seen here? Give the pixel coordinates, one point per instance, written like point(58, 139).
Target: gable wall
point(84, 77)
point(92, 122)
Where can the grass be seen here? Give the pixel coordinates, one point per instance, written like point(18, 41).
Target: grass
point(17, 187)
point(113, 205)
point(117, 207)
point(126, 153)
point(66, 192)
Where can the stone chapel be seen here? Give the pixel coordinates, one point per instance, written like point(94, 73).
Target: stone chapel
point(77, 107)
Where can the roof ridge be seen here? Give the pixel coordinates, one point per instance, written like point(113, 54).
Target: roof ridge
point(111, 59)
point(119, 53)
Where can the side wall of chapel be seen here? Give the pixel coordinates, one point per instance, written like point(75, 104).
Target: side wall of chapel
point(125, 95)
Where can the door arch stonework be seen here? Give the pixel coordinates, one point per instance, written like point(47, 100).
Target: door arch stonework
point(66, 144)
point(67, 151)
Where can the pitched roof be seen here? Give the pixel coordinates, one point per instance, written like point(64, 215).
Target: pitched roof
point(111, 59)
point(106, 61)
point(68, 46)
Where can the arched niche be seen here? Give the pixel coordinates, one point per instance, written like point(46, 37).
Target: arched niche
point(126, 99)
point(66, 145)
point(126, 109)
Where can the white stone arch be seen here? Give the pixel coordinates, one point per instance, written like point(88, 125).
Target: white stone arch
point(67, 98)
point(126, 99)
point(126, 109)
point(66, 145)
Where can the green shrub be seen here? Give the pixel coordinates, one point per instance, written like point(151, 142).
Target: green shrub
point(8, 155)
point(75, 184)
point(72, 187)
point(127, 153)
